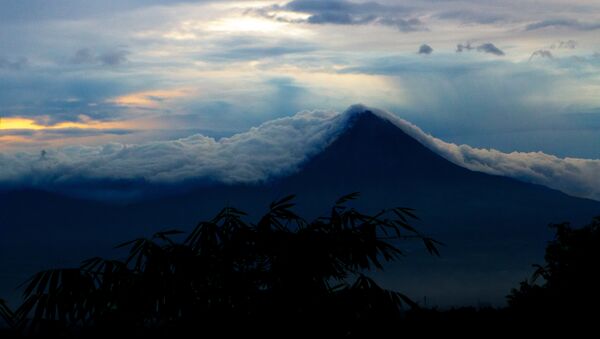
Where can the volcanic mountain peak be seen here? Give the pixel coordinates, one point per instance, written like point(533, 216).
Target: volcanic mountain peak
point(358, 113)
point(491, 224)
point(275, 149)
point(573, 176)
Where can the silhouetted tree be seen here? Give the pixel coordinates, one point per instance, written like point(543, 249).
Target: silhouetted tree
point(570, 291)
point(280, 276)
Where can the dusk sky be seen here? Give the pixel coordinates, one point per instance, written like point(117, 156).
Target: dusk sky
point(122, 118)
point(509, 75)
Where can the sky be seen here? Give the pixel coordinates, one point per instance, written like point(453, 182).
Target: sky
point(513, 75)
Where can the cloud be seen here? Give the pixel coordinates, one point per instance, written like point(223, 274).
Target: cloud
point(148, 99)
point(425, 49)
point(64, 91)
point(15, 65)
point(542, 53)
point(485, 48)
point(463, 47)
point(343, 12)
point(83, 56)
point(256, 48)
point(456, 96)
point(39, 10)
point(271, 149)
point(564, 23)
point(490, 48)
point(275, 148)
point(58, 133)
point(574, 176)
point(109, 58)
point(569, 44)
point(470, 17)
point(113, 58)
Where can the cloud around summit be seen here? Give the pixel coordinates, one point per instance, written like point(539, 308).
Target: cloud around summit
point(275, 148)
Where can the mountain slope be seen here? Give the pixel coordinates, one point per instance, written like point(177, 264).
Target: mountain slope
point(494, 227)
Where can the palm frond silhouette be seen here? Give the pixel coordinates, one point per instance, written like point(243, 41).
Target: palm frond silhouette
point(230, 276)
point(6, 314)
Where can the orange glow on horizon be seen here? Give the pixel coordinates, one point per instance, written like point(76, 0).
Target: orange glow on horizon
point(18, 123)
point(150, 99)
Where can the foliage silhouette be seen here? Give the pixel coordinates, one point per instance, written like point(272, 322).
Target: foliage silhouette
point(6, 314)
point(570, 290)
point(281, 275)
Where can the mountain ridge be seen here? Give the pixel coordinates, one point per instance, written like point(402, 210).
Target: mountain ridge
point(274, 149)
point(494, 227)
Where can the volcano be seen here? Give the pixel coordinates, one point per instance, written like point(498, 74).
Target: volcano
point(493, 228)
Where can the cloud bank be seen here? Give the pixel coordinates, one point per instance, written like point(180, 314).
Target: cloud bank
point(343, 12)
point(574, 176)
point(273, 149)
point(563, 23)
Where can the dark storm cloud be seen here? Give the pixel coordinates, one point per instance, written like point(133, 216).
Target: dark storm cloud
point(564, 23)
point(343, 12)
point(425, 49)
point(487, 47)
